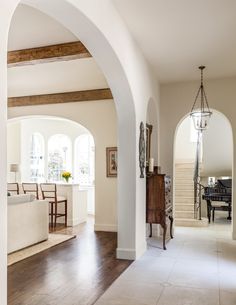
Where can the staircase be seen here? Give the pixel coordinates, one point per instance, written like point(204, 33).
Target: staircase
point(184, 197)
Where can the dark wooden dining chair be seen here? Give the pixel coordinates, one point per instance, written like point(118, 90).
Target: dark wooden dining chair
point(31, 188)
point(13, 188)
point(49, 192)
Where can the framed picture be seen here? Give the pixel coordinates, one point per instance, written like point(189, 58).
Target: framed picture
point(111, 161)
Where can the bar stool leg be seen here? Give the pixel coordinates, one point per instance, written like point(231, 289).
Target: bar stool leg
point(51, 207)
point(55, 223)
point(66, 213)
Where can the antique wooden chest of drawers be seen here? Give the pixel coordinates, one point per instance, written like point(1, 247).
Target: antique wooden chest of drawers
point(158, 203)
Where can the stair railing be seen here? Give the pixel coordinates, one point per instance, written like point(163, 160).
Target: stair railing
point(198, 187)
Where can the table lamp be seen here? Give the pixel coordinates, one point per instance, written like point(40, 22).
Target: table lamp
point(14, 168)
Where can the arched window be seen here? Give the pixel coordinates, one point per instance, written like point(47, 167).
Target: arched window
point(59, 156)
point(84, 160)
point(36, 158)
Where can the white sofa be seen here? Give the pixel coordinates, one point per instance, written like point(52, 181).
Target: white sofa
point(27, 221)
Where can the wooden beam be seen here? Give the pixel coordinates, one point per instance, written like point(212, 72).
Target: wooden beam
point(58, 52)
point(60, 98)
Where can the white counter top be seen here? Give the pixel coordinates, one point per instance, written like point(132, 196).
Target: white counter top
point(67, 184)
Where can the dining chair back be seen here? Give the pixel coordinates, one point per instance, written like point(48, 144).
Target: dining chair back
point(13, 188)
point(31, 188)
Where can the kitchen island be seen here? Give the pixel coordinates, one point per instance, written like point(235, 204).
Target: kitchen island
point(76, 203)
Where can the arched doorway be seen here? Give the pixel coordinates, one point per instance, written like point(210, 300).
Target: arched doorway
point(44, 147)
point(87, 23)
point(71, 11)
point(216, 167)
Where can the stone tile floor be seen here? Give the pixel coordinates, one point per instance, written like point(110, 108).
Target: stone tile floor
point(198, 268)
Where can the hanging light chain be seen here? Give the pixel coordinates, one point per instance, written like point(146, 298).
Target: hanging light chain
point(201, 91)
point(202, 115)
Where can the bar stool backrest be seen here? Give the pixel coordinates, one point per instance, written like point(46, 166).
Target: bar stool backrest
point(49, 191)
point(31, 188)
point(13, 188)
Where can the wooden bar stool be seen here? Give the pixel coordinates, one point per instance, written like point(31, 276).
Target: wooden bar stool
point(31, 188)
point(13, 188)
point(49, 192)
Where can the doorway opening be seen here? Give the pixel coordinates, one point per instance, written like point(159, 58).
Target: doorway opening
point(215, 165)
point(43, 148)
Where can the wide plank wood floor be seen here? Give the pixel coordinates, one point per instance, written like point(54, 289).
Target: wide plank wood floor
point(76, 272)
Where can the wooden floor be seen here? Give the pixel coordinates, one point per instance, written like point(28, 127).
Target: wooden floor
point(76, 272)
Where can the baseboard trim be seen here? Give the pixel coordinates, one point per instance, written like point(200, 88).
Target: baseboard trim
point(177, 161)
point(105, 228)
point(234, 235)
point(131, 254)
point(71, 222)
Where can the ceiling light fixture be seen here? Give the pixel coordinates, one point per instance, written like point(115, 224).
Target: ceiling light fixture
point(200, 112)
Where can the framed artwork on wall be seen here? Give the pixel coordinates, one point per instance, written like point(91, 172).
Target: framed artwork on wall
point(111, 161)
point(142, 150)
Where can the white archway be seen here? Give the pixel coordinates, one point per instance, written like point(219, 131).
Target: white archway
point(131, 83)
point(73, 17)
point(104, 135)
point(45, 135)
point(81, 20)
point(189, 155)
point(31, 143)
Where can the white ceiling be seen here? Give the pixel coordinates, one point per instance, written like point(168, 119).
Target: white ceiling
point(66, 76)
point(176, 36)
point(32, 28)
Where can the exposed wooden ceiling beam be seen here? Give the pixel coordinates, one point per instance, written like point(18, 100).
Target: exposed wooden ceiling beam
point(58, 52)
point(59, 98)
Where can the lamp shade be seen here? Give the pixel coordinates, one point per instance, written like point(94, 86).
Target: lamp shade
point(14, 168)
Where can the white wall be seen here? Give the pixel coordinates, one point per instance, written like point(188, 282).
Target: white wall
point(99, 117)
point(217, 147)
point(13, 149)
point(176, 103)
point(185, 149)
point(152, 119)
